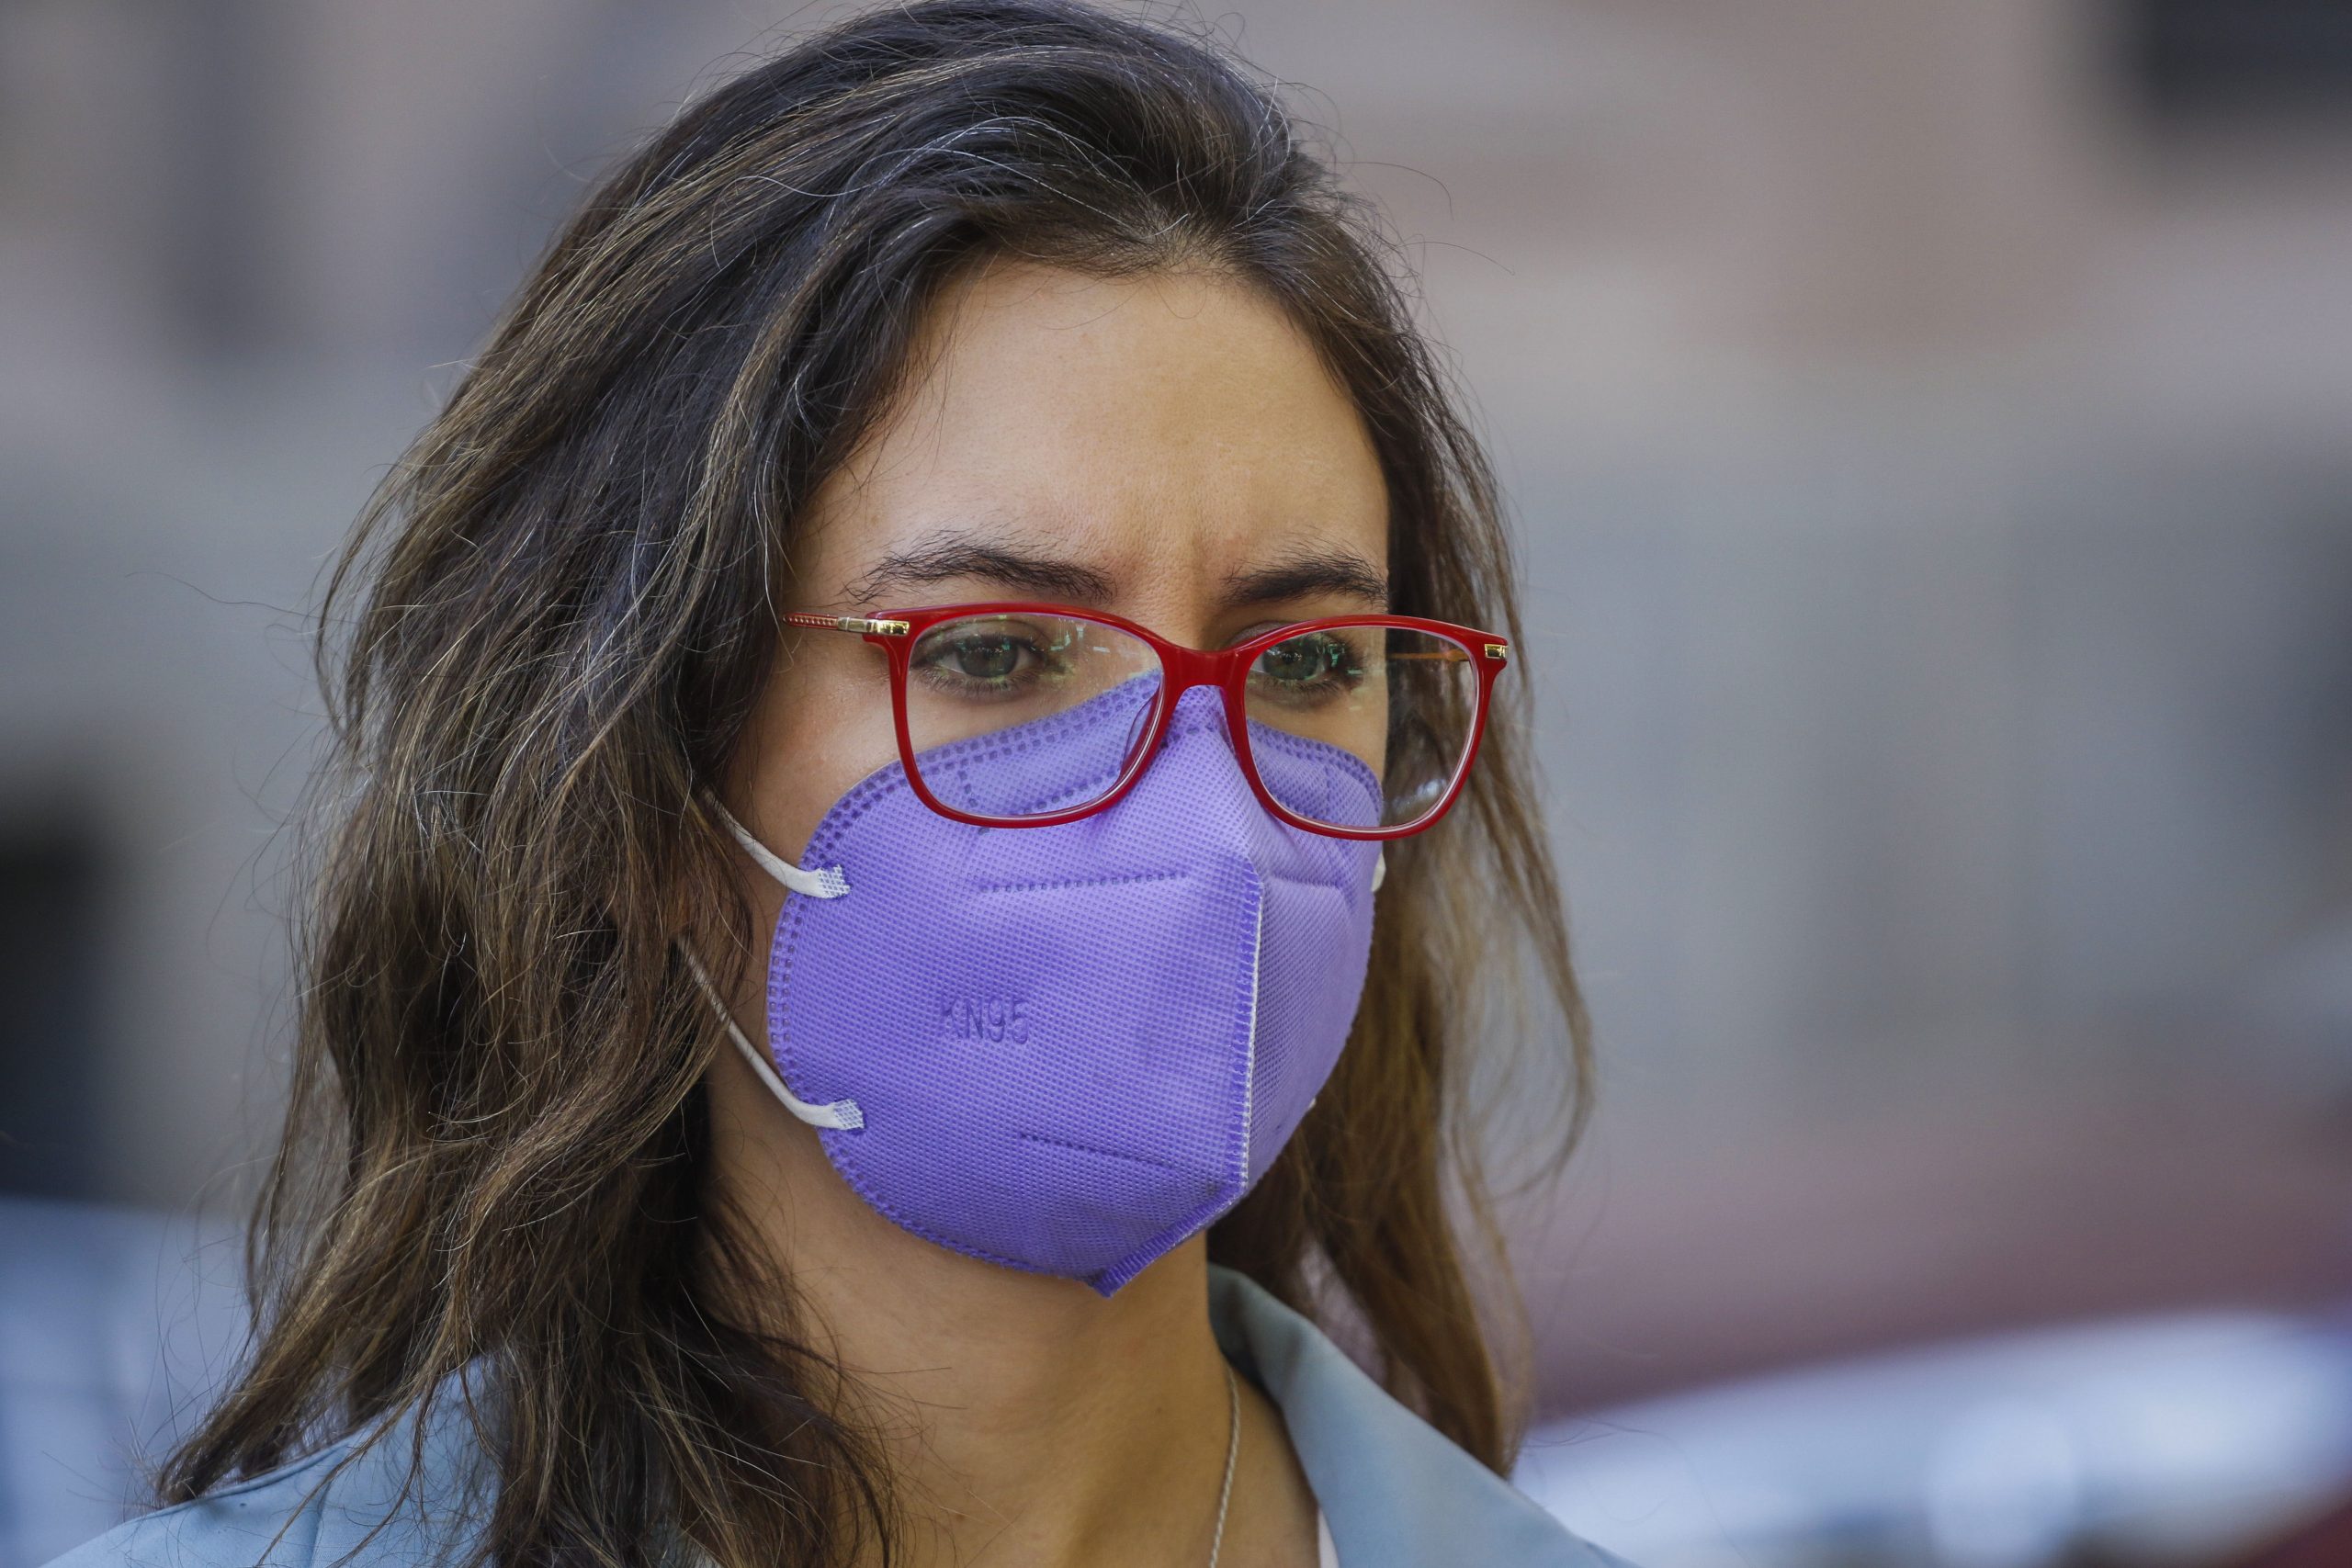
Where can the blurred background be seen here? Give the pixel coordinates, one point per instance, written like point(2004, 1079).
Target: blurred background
point(1929, 424)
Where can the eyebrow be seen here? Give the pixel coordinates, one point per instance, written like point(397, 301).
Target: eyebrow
point(953, 557)
point(1303, 576)
point(949, 560)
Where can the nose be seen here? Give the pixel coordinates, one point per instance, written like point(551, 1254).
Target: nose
point(1196, 771)
point(1198, 711)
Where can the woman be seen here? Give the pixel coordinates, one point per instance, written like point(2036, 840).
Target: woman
point(886, 930)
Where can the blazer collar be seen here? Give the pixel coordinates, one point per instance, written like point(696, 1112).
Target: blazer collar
point(1396, 1491)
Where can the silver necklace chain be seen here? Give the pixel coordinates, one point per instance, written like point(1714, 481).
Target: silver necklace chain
point(1232, 1451)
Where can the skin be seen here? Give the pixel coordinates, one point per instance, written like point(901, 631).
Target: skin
point(1167, 448)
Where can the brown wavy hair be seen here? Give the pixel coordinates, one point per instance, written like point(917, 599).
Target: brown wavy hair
point(494, 1188)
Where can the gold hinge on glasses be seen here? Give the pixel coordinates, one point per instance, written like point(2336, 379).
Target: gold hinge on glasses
point(1499, 653)
point(849, 623)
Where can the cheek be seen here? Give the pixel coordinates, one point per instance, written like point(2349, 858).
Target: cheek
point(822, 724)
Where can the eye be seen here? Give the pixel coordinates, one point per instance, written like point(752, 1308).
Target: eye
point(1308, 665)
point(983, 658)
point(988, 658)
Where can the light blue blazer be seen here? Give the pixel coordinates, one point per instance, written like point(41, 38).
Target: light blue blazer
point(1394, 1493)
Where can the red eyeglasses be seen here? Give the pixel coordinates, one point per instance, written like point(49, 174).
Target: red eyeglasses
point(1025, 715)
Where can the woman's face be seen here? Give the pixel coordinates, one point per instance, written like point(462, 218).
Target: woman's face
point(1166, 447)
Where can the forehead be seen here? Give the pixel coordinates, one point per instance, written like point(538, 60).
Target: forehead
point(1162, 431)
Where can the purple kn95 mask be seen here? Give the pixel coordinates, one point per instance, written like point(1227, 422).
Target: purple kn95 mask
point(1067, 1049)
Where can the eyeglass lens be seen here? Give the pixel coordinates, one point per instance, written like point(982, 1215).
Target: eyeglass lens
point(1016, 715)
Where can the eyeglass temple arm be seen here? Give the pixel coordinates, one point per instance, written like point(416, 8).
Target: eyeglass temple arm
point(864, 627)
point(858, 624)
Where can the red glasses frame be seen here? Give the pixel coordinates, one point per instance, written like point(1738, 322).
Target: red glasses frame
point(1227, 668)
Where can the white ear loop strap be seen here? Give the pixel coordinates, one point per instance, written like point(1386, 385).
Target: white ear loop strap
point(826, 884)
point(830, 883)
point(842, 1114)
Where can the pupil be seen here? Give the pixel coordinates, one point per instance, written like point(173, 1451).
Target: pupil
point(1299, 659)
point(989, 659)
